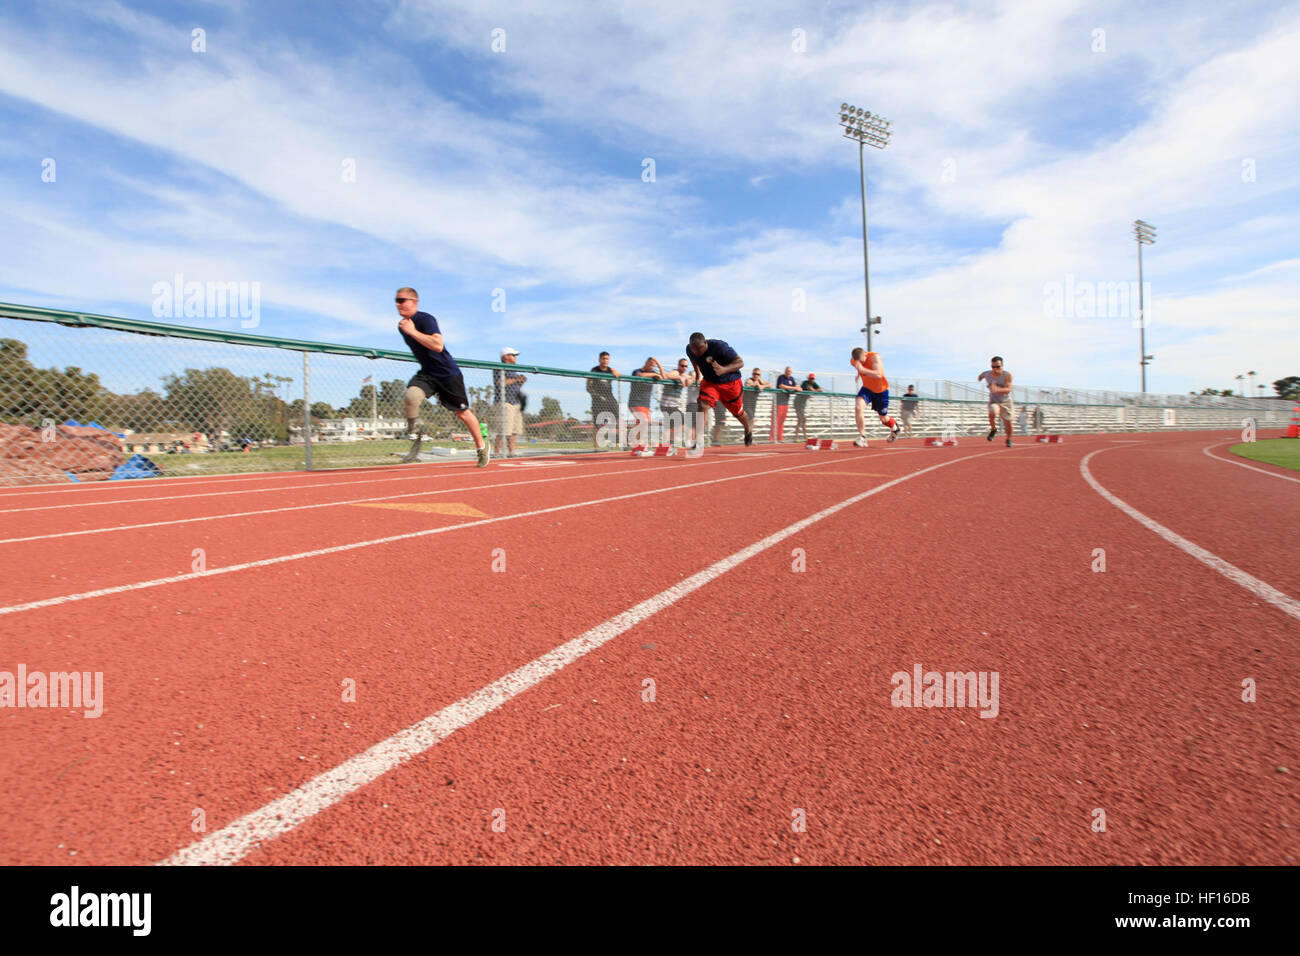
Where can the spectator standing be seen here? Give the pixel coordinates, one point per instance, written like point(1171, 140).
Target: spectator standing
point(509, 412)
point(785, 384)
point(673, 399)
point(801, 405)
point(1038, 419)
point(749, 397)
point(603, 401)
point(639, 394)
point(911, 403)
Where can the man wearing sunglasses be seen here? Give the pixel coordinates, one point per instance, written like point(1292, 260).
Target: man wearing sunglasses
point(1000, 400)
point(439, 374)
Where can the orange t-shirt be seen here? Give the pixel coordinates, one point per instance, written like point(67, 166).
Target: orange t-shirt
point(871, 384)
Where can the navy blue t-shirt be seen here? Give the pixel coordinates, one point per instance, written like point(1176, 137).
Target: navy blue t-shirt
point(720, 352)
point(437, 364)
point(782, 396)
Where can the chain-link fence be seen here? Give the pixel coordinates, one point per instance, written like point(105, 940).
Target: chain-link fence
point(95, 397)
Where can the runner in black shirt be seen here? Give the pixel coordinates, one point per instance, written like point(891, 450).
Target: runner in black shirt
point(439, 374)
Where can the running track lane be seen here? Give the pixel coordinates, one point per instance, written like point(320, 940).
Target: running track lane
point(143, 549)
point(1119, 690)
point(1254, 518)
point(259, 655)
point(672, 840)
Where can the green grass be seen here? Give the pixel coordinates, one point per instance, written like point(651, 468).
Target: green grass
point(328, 455)
point(1275, 451)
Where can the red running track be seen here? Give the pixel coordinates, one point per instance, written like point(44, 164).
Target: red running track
point(1119, 691)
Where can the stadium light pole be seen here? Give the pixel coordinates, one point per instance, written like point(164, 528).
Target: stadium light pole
point(866, 129)
point(1145, 234)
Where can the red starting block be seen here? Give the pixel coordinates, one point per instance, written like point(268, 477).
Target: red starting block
point(660, 451)
point(940, 442)
point(820, 444)
point(1049, 439)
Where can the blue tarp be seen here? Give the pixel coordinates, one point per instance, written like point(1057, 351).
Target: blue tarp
point(137, 466)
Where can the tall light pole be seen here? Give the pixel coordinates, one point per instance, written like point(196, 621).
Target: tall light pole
point(1145, 234)
point(870, 129)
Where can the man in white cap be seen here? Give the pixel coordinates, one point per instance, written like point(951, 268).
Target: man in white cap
point(510, 416)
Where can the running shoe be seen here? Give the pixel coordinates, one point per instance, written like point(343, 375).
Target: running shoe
point(893, 434)
point(418, 440)
point(749, 439)
point(483, 456)
point(1008, 442)
point(859, 442)
point(992, 432)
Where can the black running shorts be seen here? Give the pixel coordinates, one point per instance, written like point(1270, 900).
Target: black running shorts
point(450, 391)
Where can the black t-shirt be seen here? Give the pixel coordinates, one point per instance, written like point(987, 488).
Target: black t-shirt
point(437, 364)
point(809, 385)
point(600, 389)
point(910, 402)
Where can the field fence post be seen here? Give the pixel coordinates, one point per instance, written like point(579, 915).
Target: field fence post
point(306, 407)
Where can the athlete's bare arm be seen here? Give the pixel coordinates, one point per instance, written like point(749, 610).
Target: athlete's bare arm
point(734, 366)
point(428, 341)
point(872, 370)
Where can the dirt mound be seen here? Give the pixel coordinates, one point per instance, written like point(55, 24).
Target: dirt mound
point(91, 454)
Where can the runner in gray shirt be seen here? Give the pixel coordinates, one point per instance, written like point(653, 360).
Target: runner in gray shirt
point(1000, 401)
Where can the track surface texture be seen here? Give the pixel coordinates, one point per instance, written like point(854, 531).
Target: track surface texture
point(630, 661)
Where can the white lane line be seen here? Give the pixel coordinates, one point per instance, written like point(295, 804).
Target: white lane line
point(281, 559)
point(1283, 602)
point(149, 499)
point(267, 479)
point(236, 840)
point(1227, 461)
point(245, 477)
point(325, 504)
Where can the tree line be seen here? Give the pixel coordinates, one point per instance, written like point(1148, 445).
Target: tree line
point(209, 401)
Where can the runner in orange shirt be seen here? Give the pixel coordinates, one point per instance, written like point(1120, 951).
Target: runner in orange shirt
point(874, 392)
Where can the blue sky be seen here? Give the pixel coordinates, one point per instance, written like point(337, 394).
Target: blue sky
point(1027, 137)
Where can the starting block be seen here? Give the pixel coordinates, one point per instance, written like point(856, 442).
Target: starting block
point(1049, 439)
point(660, 451)
point(940, 442)
point(820, 444)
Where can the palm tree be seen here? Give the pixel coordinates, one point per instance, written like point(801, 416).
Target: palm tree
point(1252, 383)
point(1240, 378)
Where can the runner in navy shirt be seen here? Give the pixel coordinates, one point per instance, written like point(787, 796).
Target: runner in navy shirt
point(439, 374)
point(718, 366)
